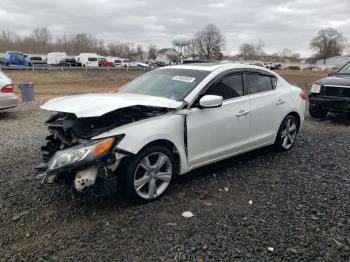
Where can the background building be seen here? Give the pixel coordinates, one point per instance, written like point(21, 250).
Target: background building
point(334, 61)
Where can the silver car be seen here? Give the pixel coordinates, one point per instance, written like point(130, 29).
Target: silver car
point(7, 97)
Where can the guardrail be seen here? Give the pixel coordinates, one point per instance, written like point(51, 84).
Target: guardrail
point(73, 68)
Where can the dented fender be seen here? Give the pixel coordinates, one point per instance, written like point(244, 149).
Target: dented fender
point(168, 127)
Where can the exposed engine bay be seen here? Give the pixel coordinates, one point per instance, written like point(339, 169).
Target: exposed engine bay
point(68, 131)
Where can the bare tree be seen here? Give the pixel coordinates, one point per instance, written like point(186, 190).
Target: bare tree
point(209, 42)
point(152, 51)
point(192, 48)
point(41, 38)
point(140, 52)
point(250, 51)
point(111, 49)
point(329, 42)
point(9, 40)
point(247, 51)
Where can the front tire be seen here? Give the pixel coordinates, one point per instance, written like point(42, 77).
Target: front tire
point(147, 176)
point(316, 111)
point(287, 133)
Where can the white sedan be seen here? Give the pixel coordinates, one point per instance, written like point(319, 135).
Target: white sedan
point(8, 99)
point(166, 123)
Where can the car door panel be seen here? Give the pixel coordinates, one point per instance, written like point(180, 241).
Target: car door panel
point(263, 117)
point(216, 132)
point(264, 102)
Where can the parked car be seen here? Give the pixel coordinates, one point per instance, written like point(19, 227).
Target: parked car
point(168, 122)
point(272, 66)
point(69, 62)
point(88, 59)
point(312, 68)
point(122, 63)
point(14, 58)
point(102, 62)
point(8, 99)
point(35, 61)
point(134, 63)
point(54, 58)
point(331, 94)
point(159, 64)
point(140, 64)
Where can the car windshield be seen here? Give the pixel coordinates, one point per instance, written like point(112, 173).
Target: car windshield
point(36, 58)
point(92, 59)
point(345, 70)
point(174, 84)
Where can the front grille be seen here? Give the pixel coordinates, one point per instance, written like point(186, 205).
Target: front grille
point(337, 91)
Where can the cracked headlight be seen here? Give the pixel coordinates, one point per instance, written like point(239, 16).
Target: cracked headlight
point(82, 153)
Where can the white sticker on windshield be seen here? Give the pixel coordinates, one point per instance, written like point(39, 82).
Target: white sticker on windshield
point(184, 79)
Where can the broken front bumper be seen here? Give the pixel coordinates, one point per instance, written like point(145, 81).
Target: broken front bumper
point(98, 177)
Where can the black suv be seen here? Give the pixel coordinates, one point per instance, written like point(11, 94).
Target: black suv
point(331, 93)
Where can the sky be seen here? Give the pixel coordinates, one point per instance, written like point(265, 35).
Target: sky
point(278, 23)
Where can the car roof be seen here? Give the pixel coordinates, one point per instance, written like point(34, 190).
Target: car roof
point(214, 66)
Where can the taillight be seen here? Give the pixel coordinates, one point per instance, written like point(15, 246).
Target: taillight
point(303, 95)
point(7, 89)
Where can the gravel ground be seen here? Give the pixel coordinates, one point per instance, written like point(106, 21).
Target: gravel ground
point(260, 206)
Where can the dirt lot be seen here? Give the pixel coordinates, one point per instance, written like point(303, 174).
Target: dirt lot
point(261, 206)
point(49, 84)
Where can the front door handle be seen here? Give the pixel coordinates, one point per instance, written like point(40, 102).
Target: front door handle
point(280, 101)
point(242, 113)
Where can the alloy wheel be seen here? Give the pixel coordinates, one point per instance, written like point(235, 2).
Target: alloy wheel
point(153, 175)
point(289, 133)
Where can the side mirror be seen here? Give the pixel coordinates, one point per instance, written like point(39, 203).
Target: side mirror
point(332, 74)
point(210, 101)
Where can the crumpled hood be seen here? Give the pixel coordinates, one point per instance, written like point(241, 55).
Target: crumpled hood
point(94, 105)
point(341, 80)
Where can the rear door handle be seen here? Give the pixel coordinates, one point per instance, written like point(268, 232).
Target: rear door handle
point(242, 113)
point(280, 101)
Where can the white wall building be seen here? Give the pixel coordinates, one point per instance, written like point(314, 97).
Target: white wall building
point(334, 61)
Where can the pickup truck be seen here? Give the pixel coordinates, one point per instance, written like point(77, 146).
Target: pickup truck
point(102, 62)
point(35, 61)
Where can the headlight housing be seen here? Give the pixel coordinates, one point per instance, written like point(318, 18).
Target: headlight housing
point(316, 88)
point(82, 154)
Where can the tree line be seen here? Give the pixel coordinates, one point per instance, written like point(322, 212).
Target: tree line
point(207, 43)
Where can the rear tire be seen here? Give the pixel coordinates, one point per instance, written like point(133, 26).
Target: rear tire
point(148, 175)
point(287, 133)
point(316, 111)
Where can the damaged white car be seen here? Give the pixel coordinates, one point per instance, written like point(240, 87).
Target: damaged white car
point(166, 123)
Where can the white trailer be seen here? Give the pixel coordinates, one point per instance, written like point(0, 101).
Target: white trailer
point(55, 57)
